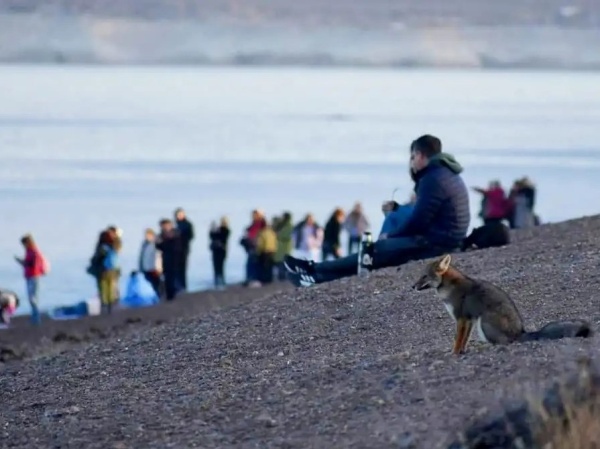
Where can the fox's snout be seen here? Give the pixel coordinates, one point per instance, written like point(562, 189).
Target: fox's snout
point(421, 284)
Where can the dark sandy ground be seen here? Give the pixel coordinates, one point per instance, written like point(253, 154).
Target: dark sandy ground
point(351, 364)
point(23, 341)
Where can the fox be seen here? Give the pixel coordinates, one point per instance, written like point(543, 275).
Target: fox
point(479, 304)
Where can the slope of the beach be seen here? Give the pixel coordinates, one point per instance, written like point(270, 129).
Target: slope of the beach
point(353, 363)
point(22, 341)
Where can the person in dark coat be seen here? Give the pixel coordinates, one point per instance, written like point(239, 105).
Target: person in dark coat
point(331, 236)
point(219, 236)
point(170, 243)
point(186, 231)
point(438, 223)
point(248, 242)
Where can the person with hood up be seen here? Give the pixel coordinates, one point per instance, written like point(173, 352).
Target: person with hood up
point(438, 223)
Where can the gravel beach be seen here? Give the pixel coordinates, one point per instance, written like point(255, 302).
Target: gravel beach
point(357, 363)
point(22, 341)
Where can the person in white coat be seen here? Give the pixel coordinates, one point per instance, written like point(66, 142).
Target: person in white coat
point(308, 239)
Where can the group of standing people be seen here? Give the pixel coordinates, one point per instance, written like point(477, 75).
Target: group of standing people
point(163, 259)
point(517, 208)
point(267, 243)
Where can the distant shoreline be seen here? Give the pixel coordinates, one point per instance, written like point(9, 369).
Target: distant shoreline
point(300, 65)
point(214, 42)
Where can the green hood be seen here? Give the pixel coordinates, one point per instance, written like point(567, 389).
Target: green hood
point(447, 160)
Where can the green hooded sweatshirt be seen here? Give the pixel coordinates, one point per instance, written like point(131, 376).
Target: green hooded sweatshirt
point(448, 160)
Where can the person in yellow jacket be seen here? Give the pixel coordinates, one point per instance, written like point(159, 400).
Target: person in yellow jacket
point(266, 247)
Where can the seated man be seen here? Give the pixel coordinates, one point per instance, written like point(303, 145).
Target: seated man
point(438, 223)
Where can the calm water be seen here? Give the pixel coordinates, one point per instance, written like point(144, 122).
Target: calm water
point(81, 148)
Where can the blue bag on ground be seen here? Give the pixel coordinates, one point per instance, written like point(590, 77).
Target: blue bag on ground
point(397, 219)
point(139, 292)
point(73, 312)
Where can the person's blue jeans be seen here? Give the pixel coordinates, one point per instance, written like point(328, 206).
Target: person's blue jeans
point(33, 285)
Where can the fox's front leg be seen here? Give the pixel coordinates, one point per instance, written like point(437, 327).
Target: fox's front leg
point(466, 336)
point(461, 329)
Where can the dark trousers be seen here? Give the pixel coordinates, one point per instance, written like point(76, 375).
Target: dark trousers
point(173, 284)
point(155, 281)
point(487, 221)
point(184, 263)
point(386, 253)
point(281, 271)
point(252, 267)
point(218, 260)
point(267, 263)
point(329, 250)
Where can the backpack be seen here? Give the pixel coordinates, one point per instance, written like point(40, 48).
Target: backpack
point(44, 264)
point(96, 264)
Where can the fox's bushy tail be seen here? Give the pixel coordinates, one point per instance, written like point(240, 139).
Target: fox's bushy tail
point(560, 329)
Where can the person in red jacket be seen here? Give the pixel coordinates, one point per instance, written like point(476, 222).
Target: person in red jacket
point(495, 203)
point(34, 266)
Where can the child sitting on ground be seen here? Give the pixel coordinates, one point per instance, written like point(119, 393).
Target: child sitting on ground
point(9, 301)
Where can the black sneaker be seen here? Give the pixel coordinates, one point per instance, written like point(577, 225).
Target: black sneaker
point(299, 266)
point(301, 280)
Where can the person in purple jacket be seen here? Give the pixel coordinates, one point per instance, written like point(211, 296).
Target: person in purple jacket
point(438, 222)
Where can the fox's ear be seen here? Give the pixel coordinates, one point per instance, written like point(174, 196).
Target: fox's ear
point(444, 263)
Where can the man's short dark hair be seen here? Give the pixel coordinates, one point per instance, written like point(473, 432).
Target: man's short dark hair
point(165, 221)
point(427, 145)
